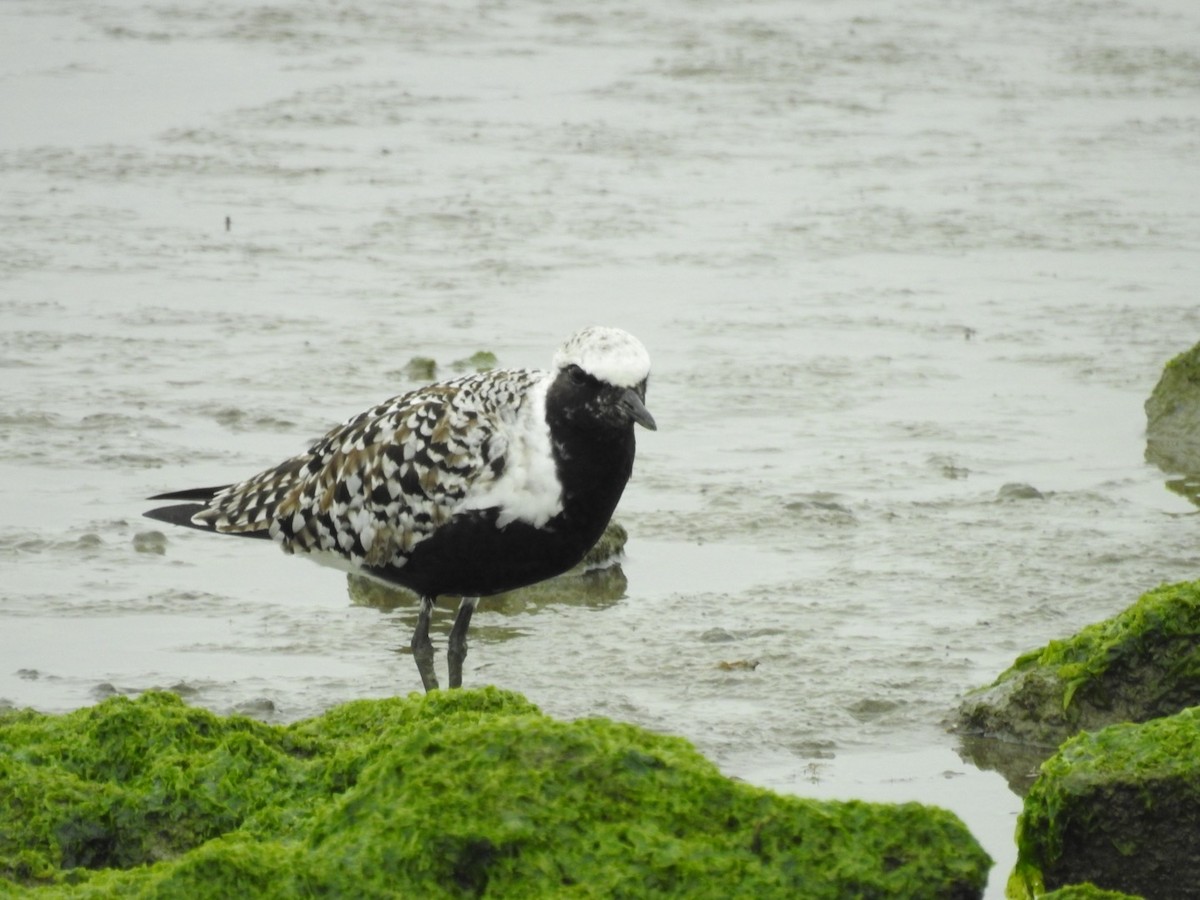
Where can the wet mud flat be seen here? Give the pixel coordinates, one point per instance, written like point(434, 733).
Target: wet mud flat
point(885, 266)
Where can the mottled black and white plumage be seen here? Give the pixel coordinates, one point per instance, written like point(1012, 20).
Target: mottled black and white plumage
point(467, 487)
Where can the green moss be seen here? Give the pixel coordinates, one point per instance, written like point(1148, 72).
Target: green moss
point(479, 361)
point(450, 794)
point(1142, 663)
point(1117, 807)
point(1150, 629)
point(1085, 892)
point(1173, 422)
point(1186, 365)
point(131, 782)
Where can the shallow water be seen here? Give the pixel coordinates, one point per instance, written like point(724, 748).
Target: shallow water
point(886, 262)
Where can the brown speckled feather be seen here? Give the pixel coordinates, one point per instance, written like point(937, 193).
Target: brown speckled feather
point(373, 488)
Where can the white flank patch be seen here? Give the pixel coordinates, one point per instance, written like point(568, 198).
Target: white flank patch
point(528, 489)
point(609, 354)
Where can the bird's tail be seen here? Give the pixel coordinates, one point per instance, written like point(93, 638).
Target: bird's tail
point(183, 513)
point(226, 508)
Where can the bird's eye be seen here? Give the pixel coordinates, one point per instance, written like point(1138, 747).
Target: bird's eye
point(577, 374)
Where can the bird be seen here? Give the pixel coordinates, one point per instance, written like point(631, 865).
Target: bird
point(466, 487)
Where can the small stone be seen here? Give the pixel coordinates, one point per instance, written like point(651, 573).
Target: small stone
point(738, 665)
point(480, 361)
point(870, 708)
point(1016, 490)
point(421, 368)
point(256, 708)
point(150, 542)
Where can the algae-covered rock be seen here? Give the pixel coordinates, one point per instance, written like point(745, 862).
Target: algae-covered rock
point(479, 361)
point(1119, 809)
point(449, 794)
point(1173, 424)
point(1173, 415)
point(1143, 663)
point(128, 783)
point(421, 368)
point(1086, 892)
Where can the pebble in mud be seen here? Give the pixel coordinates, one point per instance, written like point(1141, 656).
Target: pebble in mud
point(150, 542)
point(1015, 490)
point(257, 708)
point(738, 665)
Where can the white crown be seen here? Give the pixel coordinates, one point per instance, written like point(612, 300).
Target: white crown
point(608, 354)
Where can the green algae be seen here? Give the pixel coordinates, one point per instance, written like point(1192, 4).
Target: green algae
point(1119, 807)
point(128, 783)
point(1187, 364)
point(1086, 892)
point(463, 793)
point(1141, 664)
point(420, 368)
point(479, 361)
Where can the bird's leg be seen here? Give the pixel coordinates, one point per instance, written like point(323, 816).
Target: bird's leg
point(422, 646)
point(457, 651)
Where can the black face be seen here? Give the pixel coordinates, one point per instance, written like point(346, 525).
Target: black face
point(587, 402)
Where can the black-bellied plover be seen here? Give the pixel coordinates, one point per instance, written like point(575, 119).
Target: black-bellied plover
point(468, 487)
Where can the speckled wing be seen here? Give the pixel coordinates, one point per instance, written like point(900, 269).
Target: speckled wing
point(375, 487)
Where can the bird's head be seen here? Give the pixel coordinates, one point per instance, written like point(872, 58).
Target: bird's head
point(600, 378)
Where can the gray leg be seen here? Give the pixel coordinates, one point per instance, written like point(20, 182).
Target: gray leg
point(457, 651)
point(422, 646)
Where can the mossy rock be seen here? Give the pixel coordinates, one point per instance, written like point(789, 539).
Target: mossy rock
point(452, 794)
point(479, 361)
point(597, 581)
point(1173, 416)
point(1086, 892)
point(1141, 664)
point(1119, 809)
point(421, 368)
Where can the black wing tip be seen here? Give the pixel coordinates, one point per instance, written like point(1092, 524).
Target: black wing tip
point(196, 495)
point(180, 514)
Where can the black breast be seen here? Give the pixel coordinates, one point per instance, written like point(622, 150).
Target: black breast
point(472, 556)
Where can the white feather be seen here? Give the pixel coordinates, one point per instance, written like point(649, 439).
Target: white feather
point(608, 354)
point(528, 489)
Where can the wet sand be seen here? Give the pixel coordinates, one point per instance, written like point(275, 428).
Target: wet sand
point(886, 262)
